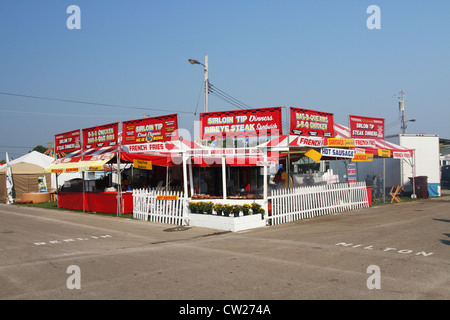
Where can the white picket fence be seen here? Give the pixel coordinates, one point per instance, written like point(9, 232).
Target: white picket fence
point(308, 202)
point(159, 206)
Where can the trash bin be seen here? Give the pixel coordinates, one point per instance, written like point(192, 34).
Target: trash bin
point(369, 195)
point(420, 186)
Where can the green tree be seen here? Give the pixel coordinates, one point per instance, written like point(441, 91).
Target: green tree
point(40, 149)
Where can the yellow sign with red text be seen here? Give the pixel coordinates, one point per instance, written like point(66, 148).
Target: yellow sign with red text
point(166, 197)
point(338, 142)
point(363, 157)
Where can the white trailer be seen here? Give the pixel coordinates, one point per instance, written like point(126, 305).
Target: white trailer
point(425, 160)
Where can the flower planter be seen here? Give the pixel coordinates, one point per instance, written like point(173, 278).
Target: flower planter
point(226, 223)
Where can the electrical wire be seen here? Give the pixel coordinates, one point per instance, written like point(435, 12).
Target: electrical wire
point(235, 102)
point(89, 103)
point(62, 114)
point(226, 97)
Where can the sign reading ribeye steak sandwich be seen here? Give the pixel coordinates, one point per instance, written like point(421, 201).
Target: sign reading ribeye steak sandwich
point(365, 127)
point(241, 123)
point(101, 136)
point(68, 141)
point(311, 123)
point(156, 129)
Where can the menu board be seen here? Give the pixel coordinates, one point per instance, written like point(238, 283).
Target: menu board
point(156, 129)
point(311, 123)
point(68, 141)
point(241, 123)
point(101, 136)
point(365, 127)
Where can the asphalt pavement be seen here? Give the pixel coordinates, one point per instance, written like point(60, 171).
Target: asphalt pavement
point(394, 251)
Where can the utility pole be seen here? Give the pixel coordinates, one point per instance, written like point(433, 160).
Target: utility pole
point(205, 66)
point(401, 105)
point(206, 83)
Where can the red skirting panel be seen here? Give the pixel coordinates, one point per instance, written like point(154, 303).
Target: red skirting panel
point(105, 202)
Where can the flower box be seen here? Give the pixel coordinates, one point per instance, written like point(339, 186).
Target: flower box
point(226, 223)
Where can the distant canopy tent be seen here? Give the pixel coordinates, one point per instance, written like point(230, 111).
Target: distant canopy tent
point(25, 173)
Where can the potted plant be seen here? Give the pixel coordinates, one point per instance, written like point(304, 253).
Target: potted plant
point(236, 209)
point(193, 207)
point(226, 209)
point(246, 209)
point(201, 207)
point(218, 207)
point(208, 207)
point(256, 208)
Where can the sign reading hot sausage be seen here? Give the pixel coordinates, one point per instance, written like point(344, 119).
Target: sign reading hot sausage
point(101, 136)
point(156, 129)
point(68, 141)
point(365, 127)
point(241, 123)
point(311, 123)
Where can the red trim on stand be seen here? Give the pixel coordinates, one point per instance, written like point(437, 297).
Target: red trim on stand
point(105, 202)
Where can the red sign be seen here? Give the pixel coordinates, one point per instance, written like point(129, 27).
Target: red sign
point(156, 129)
point(364, 127)
point(311, 123)
point(68, 141)
point(241, 123)
point(101, 136)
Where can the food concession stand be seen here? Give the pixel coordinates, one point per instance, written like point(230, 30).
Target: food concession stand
point(226, 165)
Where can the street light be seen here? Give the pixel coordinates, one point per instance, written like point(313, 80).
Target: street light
point(404, 124)
point(205, 66)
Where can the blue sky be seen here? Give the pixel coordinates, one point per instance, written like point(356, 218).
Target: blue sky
point(310, 54)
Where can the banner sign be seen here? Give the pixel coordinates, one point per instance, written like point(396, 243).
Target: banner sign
point(241, 123)
point(147, 147)
point(316, 142)
point(68, 141)
point(365, 143)
point(166, 198)
point(363, 157)
point(401, 155)
point(311, 123)
point(142, 164)
point(156, 129)
point(101, 136)
point(351, 171)
point(384, 153)
point(338, 142)
point(339, 153)
point(365, 127)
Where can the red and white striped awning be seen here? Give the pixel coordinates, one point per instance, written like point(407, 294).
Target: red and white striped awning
point(370, 146)
point(89, 160)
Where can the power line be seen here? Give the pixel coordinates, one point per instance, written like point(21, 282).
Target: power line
point(228, 98)
point(90, 103)
point(235, 102)
point(62, 114)
point(15, 147)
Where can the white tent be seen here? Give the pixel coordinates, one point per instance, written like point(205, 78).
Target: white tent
point(33, 157)
point(32, 163)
